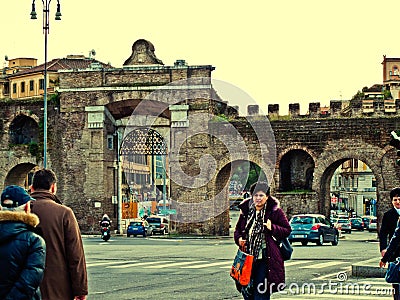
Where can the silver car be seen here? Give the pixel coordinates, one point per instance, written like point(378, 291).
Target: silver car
point(373, 225)
point(343, 224)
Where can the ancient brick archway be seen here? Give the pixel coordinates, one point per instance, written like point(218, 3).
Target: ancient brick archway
point(331, 159)
point(20, 175)
point(94, 104)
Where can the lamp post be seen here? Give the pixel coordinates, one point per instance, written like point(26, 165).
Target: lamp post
point(46, 11)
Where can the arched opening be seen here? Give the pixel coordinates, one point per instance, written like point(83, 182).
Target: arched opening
point(23, 130)
point(237, 177)
point(144, 178)
point(296, 171)
point(349, 187)
point(353, 189)
point(20, 175)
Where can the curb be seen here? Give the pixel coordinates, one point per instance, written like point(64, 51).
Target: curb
point(368, 268)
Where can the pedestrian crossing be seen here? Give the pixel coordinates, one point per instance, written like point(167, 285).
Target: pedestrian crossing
point(202, 264)
point(327, 286)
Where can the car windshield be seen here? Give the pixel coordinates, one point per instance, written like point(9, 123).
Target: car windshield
point(136, 223)
point(153, 220)
point(302, 220)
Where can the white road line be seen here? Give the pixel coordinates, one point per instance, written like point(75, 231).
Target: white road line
point(139, 264)
point(333, 275)
point(324, 265)
point(296, 262)
point(175, 264)
point(209, 265)
point(95, 264)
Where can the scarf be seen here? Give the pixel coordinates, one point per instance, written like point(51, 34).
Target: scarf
point(256, 235)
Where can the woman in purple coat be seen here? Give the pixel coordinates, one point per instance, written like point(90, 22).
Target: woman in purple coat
point(261, 225)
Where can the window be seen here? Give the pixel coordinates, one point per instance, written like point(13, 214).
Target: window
point(22, 87)
point(41, 84)
point(14, 88)
point(31, 82)
point(110, 142)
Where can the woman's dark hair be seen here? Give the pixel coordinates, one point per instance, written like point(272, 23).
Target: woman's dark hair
point(394, 192)
point(260, 186)
point(43, 179)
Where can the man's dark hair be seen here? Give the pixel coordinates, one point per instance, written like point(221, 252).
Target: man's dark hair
point(260, 186)
point(394, 192)
point(43, 179)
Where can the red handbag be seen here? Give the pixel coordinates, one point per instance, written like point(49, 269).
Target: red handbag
point(241, 267)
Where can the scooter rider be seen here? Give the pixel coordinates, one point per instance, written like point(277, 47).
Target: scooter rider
point(105, 221)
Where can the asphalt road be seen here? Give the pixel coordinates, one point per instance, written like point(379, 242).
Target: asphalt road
point(164, 268)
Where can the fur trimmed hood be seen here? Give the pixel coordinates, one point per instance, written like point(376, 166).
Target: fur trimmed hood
point(14, 222)
point(19, 216)
point(272, 204)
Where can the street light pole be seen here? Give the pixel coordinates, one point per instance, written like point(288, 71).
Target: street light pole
point(46, 11)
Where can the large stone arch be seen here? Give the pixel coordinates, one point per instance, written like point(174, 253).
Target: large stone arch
point(18, 175)
point(220, 189)
point(331, 159)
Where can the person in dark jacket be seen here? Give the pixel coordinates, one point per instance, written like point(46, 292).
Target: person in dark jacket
point(260, 227)
point(390, 221)
point(22, 252)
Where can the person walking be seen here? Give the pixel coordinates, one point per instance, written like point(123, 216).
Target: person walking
point(260, 227)
point(65, 276)
point(390, 221)
point(22, 252)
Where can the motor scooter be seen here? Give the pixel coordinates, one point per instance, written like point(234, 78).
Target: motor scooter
point(105, 232)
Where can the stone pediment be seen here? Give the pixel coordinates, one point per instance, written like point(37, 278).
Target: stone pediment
point(143, 54)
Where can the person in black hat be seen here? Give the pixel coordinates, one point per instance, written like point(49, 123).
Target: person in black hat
point(22, 252)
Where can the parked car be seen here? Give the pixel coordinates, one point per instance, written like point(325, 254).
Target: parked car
point(357, 223)
point(139, 227)
point(343, 224)
point(159, 224)
point(373, 225)
point(313, 228)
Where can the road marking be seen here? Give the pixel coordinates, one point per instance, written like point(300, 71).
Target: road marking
point(324, 265)
point(296, 262)
point(209, 265)
point(139, 264)
point(176, 264)
point(95, 264)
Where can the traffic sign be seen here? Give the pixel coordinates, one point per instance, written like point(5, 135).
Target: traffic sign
point(168, 211)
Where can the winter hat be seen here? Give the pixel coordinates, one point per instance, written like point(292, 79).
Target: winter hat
point(14, 195)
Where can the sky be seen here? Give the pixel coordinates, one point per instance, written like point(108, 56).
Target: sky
point(275, 52)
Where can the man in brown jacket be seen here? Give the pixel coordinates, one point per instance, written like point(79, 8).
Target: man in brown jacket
point(65, 276)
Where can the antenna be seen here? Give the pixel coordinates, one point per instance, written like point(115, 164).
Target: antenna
point(6, 57)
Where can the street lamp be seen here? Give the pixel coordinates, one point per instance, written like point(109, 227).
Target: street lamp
point(46, 11)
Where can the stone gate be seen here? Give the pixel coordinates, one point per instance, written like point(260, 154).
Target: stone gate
point(205, 138)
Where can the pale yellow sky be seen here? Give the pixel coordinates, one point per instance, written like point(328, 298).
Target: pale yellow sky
point(276, 51)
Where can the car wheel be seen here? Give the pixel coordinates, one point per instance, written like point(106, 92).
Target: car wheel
point(162, 232)
point(304, 243)
point(349, 232)
point(128, 235)
point(134, 235)
point(320, 240)
point(144, 234)
point(335, 240)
